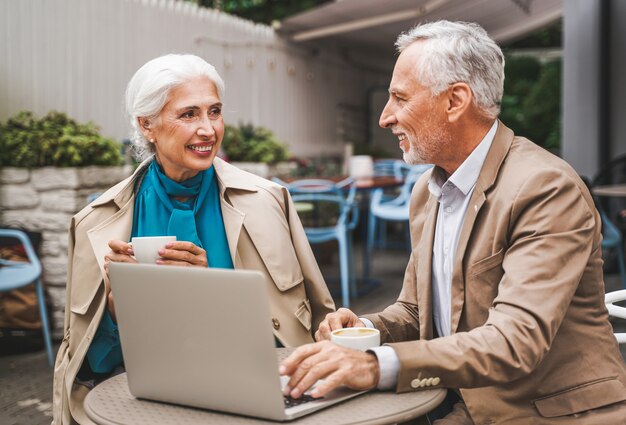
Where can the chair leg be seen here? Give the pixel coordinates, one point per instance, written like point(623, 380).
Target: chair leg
point(44, 321)
point(344, 270)
point(382, 234)
point(369, 245)
point(351, 274)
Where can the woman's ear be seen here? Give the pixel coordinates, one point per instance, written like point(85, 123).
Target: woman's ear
point(145, 128)
point(460, 98)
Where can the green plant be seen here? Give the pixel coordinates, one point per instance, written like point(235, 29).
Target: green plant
point(250, 143)
point(532, 100)
point(54, 140)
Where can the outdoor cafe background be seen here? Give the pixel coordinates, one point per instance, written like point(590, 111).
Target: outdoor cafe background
point(315, 95)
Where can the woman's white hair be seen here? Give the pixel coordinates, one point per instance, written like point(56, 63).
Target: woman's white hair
point(148, 91)
point(459, 52)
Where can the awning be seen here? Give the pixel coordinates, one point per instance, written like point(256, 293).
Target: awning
point(373, 25)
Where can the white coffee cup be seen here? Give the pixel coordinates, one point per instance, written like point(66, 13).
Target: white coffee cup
point(146, 248)
point(358, 338)
point(361, 166)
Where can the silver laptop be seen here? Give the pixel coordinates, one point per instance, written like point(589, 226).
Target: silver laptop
point(203, 338)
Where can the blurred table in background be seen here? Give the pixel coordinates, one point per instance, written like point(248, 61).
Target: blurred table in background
point(616, 190)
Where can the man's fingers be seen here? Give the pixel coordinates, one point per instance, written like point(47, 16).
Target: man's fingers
point(329, 383)
point(323, 332)
point(334, 364)
point(319, 370)
point(289, 365)
point(298, 380)
point(335, 321)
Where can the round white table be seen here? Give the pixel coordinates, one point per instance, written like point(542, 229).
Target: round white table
point(110, 403)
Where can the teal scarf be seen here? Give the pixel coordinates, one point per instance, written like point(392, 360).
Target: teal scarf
point(198, 220)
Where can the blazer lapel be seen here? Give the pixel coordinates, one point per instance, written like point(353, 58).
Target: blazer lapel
point(424, 254)
point(488, 173)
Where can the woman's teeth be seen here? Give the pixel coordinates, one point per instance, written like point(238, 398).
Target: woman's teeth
point(201, 148)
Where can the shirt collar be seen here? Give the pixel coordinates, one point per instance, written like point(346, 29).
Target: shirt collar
point(466, 176)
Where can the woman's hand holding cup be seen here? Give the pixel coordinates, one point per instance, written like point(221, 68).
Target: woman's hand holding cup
point(182, 253)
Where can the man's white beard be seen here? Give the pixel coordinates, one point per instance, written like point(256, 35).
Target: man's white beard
point(412, 156)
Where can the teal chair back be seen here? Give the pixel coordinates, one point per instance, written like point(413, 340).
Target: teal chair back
point(333, 216)
point(397, 209)
point(16, 274)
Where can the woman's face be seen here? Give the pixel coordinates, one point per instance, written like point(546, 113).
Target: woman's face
point(188, 132)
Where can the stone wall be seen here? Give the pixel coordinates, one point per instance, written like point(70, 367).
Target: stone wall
point(44, 200)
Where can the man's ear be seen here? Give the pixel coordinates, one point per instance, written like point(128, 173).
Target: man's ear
point(459, 97)
point(145, 127)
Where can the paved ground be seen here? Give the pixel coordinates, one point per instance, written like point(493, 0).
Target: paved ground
point(25, 389)
point(26, 379)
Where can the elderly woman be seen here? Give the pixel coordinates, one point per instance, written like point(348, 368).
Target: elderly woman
point(222, 217)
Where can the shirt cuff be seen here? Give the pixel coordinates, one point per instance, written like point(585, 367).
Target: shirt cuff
point(367, 322)
point(389, 365)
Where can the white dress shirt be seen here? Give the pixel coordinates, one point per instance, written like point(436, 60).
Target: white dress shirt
point(454, 195)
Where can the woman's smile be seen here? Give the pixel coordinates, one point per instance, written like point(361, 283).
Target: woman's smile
point(201, 149)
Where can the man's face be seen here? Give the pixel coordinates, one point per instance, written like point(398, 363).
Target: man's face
point(414, 115)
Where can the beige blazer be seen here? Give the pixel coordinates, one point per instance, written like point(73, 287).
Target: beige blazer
point(531, 342)
point(263, 232)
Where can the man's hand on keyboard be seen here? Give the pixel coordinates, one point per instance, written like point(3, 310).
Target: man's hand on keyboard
point(334, 364)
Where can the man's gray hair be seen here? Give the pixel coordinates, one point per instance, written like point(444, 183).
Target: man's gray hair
point(149, 88)
point(459, 52)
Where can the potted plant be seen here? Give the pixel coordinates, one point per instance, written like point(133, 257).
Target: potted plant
point(48, 167)
point(254, 149)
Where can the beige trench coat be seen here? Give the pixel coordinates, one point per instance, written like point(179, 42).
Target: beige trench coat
point(263, 232)
point(531, 341)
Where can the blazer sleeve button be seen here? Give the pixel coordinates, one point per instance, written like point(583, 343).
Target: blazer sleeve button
point(436, 381)
point(416, 383)
point(275, 323)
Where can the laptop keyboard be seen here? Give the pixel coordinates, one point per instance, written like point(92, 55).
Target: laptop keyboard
point(292, 402)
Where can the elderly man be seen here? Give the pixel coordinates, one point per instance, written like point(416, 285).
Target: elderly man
point(502, 300)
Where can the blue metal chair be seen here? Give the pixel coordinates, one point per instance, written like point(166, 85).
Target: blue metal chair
point(385, 167)
point(338, 198)
point(392, 168)
point(396, 209)
point(16, 274)
point(612, 240)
